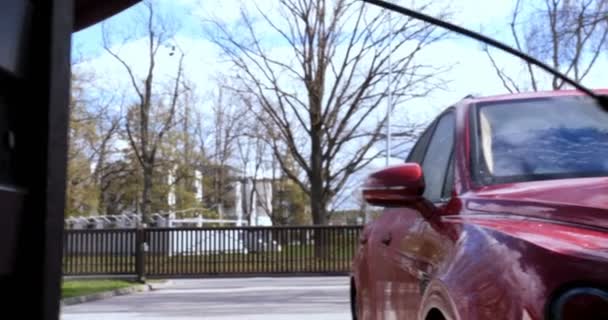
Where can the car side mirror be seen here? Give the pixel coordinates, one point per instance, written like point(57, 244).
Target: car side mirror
point(395, 186)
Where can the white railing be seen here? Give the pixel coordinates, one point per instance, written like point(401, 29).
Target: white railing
point(132, 220)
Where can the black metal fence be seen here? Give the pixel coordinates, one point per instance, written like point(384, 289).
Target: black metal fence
point(201, 252)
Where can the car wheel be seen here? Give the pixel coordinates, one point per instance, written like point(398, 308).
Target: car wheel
point(436, 305)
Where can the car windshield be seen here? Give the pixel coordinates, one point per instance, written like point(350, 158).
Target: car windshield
point(539, 139)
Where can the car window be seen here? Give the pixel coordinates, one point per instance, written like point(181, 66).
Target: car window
point(448, 185)
point(539, 139)
point(437, 158)
point(420, 148)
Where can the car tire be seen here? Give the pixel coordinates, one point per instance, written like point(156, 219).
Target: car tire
point(436, 305)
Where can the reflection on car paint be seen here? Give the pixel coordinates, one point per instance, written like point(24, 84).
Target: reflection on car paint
point(492, 251)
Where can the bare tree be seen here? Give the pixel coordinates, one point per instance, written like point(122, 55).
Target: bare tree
point(107, 128)
point(152, 114)
point(569, 35)
point(323, 102)
point(268, 189)
point(227, 121)
point(252, 152)
point(191, 158)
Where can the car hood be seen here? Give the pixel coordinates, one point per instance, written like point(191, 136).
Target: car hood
point(581, 201)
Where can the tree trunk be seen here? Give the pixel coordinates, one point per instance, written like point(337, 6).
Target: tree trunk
point(220, 192)
point(318, 201)
point(146, 201)
point(318, 205)
point(250, 200)
point(320, 235)
point(99, 171)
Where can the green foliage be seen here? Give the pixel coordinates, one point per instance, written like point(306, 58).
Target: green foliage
point(82, 194)
point(217, 185)
point(121, 186)
point(185, 196)
point(290, 204)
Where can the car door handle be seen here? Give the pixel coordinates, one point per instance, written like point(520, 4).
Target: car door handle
point(386, 239)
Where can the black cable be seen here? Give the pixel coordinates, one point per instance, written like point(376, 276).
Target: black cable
point(601, 100)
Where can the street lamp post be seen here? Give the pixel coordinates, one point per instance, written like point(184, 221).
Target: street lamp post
point(390, 91)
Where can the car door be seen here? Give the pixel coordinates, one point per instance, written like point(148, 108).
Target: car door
point(406, 252)
point(381, 292)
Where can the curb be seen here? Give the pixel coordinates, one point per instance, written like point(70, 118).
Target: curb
point(159, 285)
point(106, 294)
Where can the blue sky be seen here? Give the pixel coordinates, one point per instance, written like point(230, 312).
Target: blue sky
point(471, 72)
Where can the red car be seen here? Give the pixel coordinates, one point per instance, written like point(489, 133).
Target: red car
point(499, 212)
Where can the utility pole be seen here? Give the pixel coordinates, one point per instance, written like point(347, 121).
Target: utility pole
point(390, 91)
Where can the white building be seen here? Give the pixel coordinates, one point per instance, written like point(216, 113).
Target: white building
point(253, 202)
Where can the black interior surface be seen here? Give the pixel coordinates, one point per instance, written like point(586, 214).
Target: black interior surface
point(34, 114)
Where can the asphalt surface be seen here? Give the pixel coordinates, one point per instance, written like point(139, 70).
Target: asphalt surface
point(323, 298)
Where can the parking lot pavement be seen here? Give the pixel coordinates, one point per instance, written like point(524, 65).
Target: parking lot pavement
point(243, 298)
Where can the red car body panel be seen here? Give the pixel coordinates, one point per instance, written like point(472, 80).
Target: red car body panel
point(583, 201)
point(490, 252)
